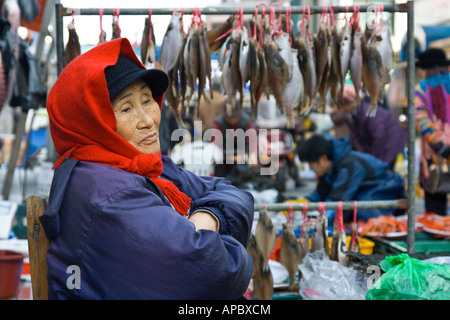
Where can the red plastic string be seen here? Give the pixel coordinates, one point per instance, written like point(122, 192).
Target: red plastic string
point(100, 13)
point(151, 25)
point(340, 218)
point(116, 13)
point(333, 18)
point(354, 221)
point(288, 24)
point(73, 16)
point(291, 214)
point(263, 17)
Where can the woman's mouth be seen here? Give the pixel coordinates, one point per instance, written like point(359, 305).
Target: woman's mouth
point(150, 138)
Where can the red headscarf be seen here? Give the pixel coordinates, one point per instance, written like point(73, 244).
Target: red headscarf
point(83, 124)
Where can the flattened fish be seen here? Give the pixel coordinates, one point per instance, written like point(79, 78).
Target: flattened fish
point(321, 40)
point(374, 74)
point(345, 50)
point(306, 63)
point(354, 245)
point(356, 63)
point(384, 44)
point(115, 29)
point(293, 93)
point(172, 42)
point(319, 238)
point(265, 236)
point(215, 33)
point(290, 253)
point(73, 48)
point(262, 278)
point(257, 71)
point(148, 47)
point(102, 37)
point(278, 72)
point(335, 77)
point(339, 241)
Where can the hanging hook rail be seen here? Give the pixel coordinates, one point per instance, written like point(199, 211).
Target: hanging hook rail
point(391, 7)
point(346, 205)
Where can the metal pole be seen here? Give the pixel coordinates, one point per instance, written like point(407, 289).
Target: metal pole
point(59, 38)
point(411, 128)
point(391, 7)
point(346, 205)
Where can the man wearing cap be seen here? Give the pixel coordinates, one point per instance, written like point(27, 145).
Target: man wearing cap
point(125, 222)
point(432, 102)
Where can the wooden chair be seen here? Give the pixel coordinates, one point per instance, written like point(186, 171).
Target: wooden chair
point(38, 244)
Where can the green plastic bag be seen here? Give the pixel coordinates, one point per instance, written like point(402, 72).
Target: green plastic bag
point(408, 278)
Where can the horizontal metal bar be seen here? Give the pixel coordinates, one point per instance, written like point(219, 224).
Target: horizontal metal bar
point(368, 8)
point(346, 205)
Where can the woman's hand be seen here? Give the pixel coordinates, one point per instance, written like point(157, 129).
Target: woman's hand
point(203, 220)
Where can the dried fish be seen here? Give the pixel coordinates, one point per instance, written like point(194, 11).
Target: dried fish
point(345, 50)
point(356, 65)
point(319, 238)
point(73, 48)
point(293, 92)
point(214, 43)
point(384, 44)
point(278, 70)
point(148, 46)
point(262, 277)
point(116, 32)
point(335, 78)
point(321, 44)
point(374, 74)
point(354, 245)
point(257, 71)
point(339, 241)
point(172, 42)
point(290, 253)
point(306, 61)
point(102, 37)
point(265, 236)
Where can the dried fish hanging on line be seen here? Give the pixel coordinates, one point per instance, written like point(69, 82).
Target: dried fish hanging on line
point(262, 278)
point(116, 32)
point(73, 48)
point(375, 73)
point(291, 253)
point(339, 241)
point(148, 46)
point(102, 35)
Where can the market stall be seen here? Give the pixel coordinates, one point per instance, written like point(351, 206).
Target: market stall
point(298, 209)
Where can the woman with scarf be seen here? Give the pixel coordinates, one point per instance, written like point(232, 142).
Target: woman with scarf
point(432, 103)
point(125, 222)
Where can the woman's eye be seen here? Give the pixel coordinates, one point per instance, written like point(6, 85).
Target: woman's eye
point(125, 109)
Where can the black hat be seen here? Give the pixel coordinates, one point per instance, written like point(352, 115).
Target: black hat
point(124, 72)
point(432, 58)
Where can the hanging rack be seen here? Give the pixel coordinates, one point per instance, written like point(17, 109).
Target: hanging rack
point(407, 7)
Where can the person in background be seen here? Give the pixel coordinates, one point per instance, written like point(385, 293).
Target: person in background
point(134, 224)
point(381, 136)
point(234, 167)
point(432, 102)
point(346, 175)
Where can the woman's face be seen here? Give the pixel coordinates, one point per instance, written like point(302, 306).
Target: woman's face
point(138, 117)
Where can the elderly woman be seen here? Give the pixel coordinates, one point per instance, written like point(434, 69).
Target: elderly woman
point(124, 221)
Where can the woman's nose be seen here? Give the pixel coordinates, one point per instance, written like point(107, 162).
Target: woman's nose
point(145, 118)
